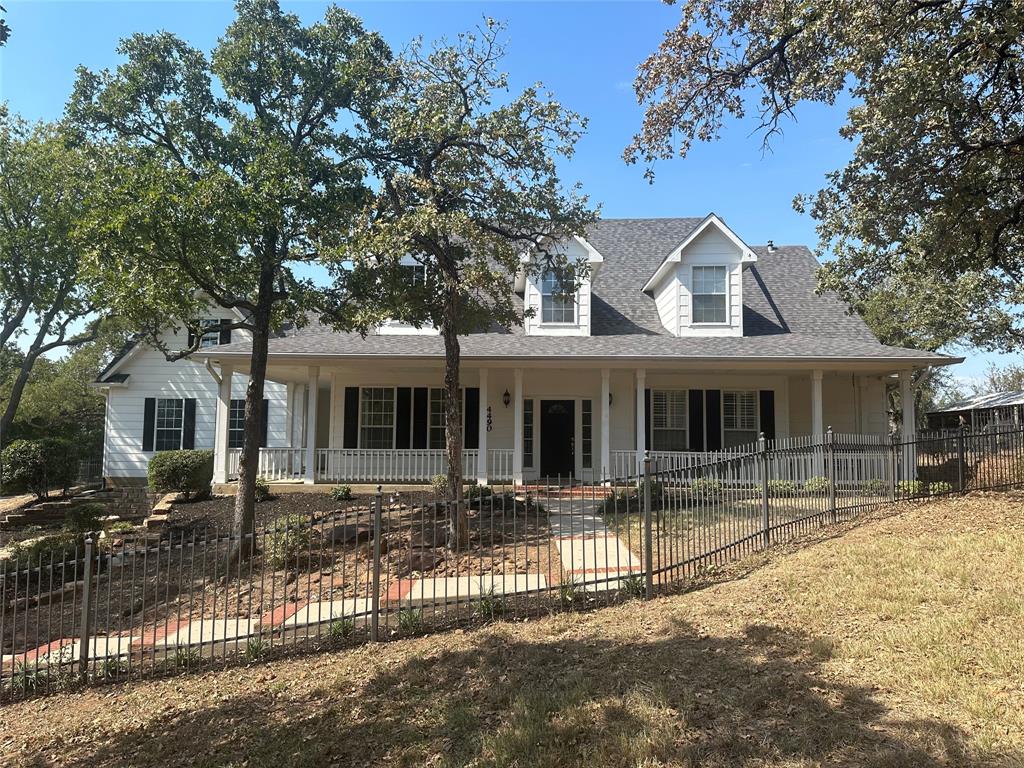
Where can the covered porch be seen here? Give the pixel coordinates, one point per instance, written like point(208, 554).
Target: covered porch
point(382, 421)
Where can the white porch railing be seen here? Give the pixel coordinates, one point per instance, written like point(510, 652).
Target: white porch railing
point(363, 465)
point(276, 464)
point(499, 465)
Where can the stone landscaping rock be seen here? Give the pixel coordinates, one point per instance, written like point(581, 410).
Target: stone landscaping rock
point(431, 536)
point(423, 560)
point(349, 533)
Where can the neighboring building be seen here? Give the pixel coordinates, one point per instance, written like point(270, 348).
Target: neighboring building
point(683, 339)
point(982, 412)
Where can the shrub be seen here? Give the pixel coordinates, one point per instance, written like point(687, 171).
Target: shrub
point(705, 487)
point(36, 466)
point(478, 491)
point(84, 518)
point(817, 485)
point(262, 490)
point(287, 541)
point(910, 488)
point(122, 527)
point(439, 484)
point(874, 486)
point(62, 547)
point(188, 473)
point(781, 488)
point(940, 487)
point(341, 493)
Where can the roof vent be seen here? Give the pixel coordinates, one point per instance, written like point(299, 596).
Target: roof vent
point(771, 246)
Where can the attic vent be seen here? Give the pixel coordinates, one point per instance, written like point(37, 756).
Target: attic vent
point(771, 246)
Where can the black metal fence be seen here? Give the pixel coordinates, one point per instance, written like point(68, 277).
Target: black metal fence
point(125, 605)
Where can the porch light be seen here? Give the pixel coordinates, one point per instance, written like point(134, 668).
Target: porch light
point(610, 398)
point(506, 398)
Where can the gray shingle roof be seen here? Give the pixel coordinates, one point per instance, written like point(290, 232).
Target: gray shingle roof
point(782, 314)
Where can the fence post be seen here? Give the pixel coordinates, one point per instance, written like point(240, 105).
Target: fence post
point(83, 644)
point(893, 466)
point(375, 596)
point(961, 469)
point(830, 468)
point(766, 522)
point(648, 532)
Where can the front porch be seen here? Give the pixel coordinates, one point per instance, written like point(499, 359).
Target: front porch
point(384, 422)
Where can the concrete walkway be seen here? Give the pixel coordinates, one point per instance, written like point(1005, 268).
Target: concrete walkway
point(592, 556)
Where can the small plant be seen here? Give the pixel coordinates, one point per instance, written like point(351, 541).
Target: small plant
point(84, 518)
point(188, 473)
point(112, 668)
point(781, 488)
point(817, 486)
point(61, 547)
point(122, 527)
point(185, 657)
point(27, 679)
point(633, 586)
point(940, 487)
point(255, 647)
point(439, 485)
point(478, 492)
point(262, 490)
point(410, 620)
point(287, 541)
point(340, 629)
point(910, 488)
point(491, 607)
point(705, 488)
point(873, 487)
point(569, 592)
point(341, 493)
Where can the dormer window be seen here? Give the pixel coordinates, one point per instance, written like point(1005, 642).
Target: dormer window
point(556, 304)
point(709, 294)
point(414, 274)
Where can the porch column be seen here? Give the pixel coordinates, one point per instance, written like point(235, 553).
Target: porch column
point(290, 414)
point(908, 430)
point(864, 403)
point(641, 418)
point(606, 420)
point(481, 460)
point(313, 377)
point(817, 420)
point(517, 429)
point(220, 435)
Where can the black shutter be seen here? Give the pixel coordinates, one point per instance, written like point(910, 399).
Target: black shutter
point(403, 417)
point(767, 398)
point(191, 339)
point(149, 424)
point(225, 333)
point(264, 423)
point(420, 400)
point(713, 419)
point(695, 420)
point(351, 439)
point(188, 426)
point(471, 420)
point(647, 419)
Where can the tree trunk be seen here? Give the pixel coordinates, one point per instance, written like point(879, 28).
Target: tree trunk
point(458, 522)
point(17, 390)
point(244, 525)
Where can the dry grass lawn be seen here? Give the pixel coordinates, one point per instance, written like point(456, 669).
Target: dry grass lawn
point(896, 642)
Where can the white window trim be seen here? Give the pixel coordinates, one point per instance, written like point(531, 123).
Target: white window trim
point(574, 323)
point(157, 428)
point(728, 301)
point(209, 338)
point(394, 416)
point(757, 412)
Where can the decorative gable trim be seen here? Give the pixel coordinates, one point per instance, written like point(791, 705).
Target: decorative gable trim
point(747, 255)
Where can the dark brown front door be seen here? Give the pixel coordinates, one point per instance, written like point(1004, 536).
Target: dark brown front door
point(557, 438)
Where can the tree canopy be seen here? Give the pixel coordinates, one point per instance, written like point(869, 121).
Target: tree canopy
point(934, 192)
point(468, 185)
point(226, 171)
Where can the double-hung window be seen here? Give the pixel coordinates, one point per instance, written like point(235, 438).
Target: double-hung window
point(709, 294)
point(170, 419)
point(438, 420)
point(414, 274)
point(739, 418)
point(377, 417)
point(209, 338)
point(668, 419)
point(528, 433)
point(556, 304)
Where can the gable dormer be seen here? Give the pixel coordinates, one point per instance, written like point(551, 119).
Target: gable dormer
point(413, 272)
point(698, 288)
point(554, 313)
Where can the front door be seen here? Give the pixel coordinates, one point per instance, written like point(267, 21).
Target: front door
point(557, 438)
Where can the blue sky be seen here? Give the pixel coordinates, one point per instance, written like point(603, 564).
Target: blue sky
point(586, 53)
